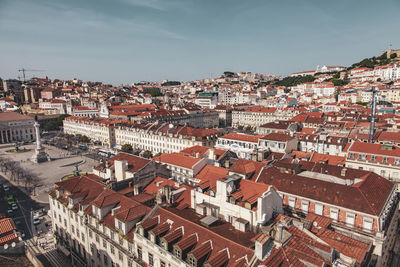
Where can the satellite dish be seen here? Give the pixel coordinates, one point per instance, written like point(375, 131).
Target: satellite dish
point(6, 246)
point(13, 244)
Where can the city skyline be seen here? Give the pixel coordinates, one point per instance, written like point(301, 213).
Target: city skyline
point(133, 40)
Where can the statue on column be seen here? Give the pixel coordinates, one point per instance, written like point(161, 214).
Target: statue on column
point(40, 155)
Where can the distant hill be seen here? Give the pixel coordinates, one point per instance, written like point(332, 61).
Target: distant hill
point(384, 59)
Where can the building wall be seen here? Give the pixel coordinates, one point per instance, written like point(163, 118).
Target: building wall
point(83, 232)
point(157, 142)
point(19, 130)
point(95, 131)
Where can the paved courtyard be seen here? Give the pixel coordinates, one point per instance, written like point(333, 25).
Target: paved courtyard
point(63, 163)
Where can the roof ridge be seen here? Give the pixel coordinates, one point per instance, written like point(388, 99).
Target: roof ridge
point(205, 229)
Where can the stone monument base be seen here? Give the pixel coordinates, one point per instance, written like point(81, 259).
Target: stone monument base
point(40, 156)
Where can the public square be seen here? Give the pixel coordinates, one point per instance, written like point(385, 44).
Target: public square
point(63, 163)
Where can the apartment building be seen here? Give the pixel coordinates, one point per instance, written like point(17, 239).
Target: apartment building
point(192, 117)
point(278, 142)
point(207, 100)
point(167, 239)
point(256, 116)
point(101, 227)
point(82, 111)
point(97, 129)
point(225, 115)
point(182, 166)
point(362, 204)
point(244, 145)
point(243, 203)
point(381, 159)
point(126, 168)
point(322, 143)
point(57, 105)
point(278, 127)
point(164, 137)
point(93, 223)
point(214, 156)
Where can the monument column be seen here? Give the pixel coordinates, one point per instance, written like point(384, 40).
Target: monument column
point(40, 155)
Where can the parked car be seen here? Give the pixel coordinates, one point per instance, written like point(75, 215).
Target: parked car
point(14, 206)
point(6, 187)
point(36, 220)
point(10, 200)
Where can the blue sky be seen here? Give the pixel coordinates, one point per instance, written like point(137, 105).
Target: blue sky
point(124, 41)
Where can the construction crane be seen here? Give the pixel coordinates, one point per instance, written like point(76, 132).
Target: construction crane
point(23, 70)
point(372, 123)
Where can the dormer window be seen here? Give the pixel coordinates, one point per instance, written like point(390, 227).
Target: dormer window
point(385, 160)
point(192, 261)
point(141, 231)
point(164, 244)
point(177, 253)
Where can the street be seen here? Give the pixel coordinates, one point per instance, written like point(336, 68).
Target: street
point(21, 216)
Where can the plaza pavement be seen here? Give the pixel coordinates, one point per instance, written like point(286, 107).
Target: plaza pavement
point(48, 172)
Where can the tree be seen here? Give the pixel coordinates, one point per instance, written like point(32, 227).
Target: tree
point(155, 93)
point(147, 154)
point(337, 93)
point(50, 125)
point(61, 118)
point(338, 82)
point(84, 139)
point(127, 148)
point(394, 55)
point(229, 74)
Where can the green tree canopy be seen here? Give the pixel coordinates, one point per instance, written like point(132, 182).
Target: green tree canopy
point(127, 148)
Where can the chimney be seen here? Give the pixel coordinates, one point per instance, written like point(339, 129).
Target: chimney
point(121, 166)
point(136, 189)
point(211, 154)
point(280, 231)
point(262, 246)
point(107, 164)
point(343, 172)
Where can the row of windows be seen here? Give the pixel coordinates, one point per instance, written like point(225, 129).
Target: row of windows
point(334, 213)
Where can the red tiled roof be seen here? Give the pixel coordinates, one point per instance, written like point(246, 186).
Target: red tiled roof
point(13, 116)
point(242, 137)
point(193, 150)
point(280, 137)
point(245, 166)
point(6, 225)
point(344, 244)
point(177, 159)
point(196, 237)
point(135, 163)
point(375, 149)
point(368, 196)
point(329, 159)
